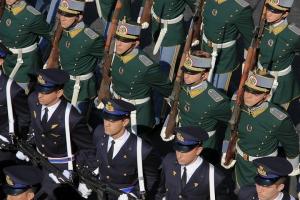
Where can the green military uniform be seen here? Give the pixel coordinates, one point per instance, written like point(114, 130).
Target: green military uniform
point(108, 7)
point(278, 46)
point(203, 105)
point(20, 28)
point(80, 49)
point(133, 77)
point(223, 21)
point(261, 128)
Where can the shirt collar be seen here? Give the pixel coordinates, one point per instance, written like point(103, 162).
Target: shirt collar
point(17, 7)
point(128, 57)
point(278, 27)
point(76, 29)
point(52, 108)
point(279, 197)
point(124, 137)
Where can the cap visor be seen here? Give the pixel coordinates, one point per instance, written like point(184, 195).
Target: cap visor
point(46, 90)
point(264, 181)
point(66, 14)
point(108, 116)
point(183, 148)
point(273, 10)
point(13, 191)
point(124, 39)
point(252, 90)
point(188, 71)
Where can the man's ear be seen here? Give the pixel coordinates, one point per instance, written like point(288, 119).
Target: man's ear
point(60, 93)
point(125, 122)
point(199, 150)
point(30, 196)
point(280, 187)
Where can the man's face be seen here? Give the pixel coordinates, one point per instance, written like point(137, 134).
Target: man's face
point(268, 192)
point(115, 128)
point(50, 98)
point(10, 2)
point(192, 78)
point(66, 22)
point(28, 195)
point(188, 157)
point(122, 47)
point(251, 99)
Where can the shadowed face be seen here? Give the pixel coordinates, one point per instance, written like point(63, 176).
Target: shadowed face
point(188, 157)
point(268, 192)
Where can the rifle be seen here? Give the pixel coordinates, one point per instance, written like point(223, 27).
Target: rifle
point(146, 14)
point(96, 185)
point(250, 61)
point(52, 61)
point(2, 8)
point(104, 92)
point(197, 18)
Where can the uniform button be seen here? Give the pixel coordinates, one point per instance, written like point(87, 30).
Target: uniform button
point(131, 88)
point(43, 145)
point(180, 197)
point(54, 143)
point(44, 155)
point(43, 135)
point(108, 166)
point(125, 174)
point(107, 177)
point(20, 30)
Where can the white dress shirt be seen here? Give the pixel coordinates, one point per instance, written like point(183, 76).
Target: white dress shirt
point(191, 168)
point(51, 110)
point(119, 142)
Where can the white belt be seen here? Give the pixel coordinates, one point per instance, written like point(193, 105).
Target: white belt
point(247, 157)
point(76, 87)
point(24, 50)
point(164, 30)
point(211, 133)
point(132, 101)
point(220, 45)
point(19, 62)
point(283, 72)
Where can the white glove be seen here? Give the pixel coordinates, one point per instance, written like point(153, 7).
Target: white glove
point(84, 190)
point(145, 25)
point(138, 20)
point(66, 173)
point(298, 195)
point(195, 43)
point(21, 156)
point(223, 162)
point(163, 131)
point(123, 197)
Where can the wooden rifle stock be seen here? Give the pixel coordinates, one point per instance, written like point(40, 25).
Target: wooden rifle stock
point(53, 60)
point(2, 8)
point(104, 92)
point(177, 83)
point(146, 15)
point(249, 64)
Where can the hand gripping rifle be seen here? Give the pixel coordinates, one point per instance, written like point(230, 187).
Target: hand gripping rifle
point(146, 14)
point(53, 60)
point(196, 20)
point(249, 64)
point(104, 92)
point(93, 183)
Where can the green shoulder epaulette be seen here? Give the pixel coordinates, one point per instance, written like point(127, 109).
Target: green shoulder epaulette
point(215, 95)
point(278, 113)
point(90, 33)
point(145, 60)
point(33, 10)
point(242, 3)
point(294, 29)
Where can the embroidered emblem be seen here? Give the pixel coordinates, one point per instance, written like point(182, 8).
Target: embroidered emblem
point(249, 128)
point(187, 108)
point(8, 22)
point(125, 156)
point(261, 171)
point(109, 107)
point(41, 80)
point(122, 30)
point(188, 62)
point(53, 126)
point(174, 173)
point(121, 71)
point(252, 80)
point(34, 114)
point(270, 42)
point(196, 184)
point(276, 2)
point(9, 180)
point(54, 135)
point(179, 137)
point(214, 12)
point(68, 44)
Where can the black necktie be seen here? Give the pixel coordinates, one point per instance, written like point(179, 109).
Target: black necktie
point(45, 117)
point(110, 151)
point(183, 178)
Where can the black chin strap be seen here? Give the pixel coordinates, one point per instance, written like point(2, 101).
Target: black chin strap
point(128, 50)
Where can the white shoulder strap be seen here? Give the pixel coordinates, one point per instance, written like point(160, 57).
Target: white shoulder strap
point(140, 165)
point(9, 106)
point(212, 182)
point(68, 136)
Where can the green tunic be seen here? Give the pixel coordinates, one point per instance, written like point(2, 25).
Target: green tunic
point(133, 77)
point(260, 131)
point(223, 22)
point(21, 27)
point(277, 52)
point(80, 50)
point(108, 7)
point(203, 105)
point(170, 9)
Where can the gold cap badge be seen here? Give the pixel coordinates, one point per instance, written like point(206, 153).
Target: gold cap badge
point(109, 107)
point(9, 180)
point(41, 80)
point(179, 137)
point(261, 171)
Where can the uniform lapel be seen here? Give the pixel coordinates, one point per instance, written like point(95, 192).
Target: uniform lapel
point(103, 148)
point(54, 120)
point(126, 148)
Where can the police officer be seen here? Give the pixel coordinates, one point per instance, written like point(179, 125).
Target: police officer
point(20, 28)
point(14, 115)
point(223, 21)
point(57, 129)
point(278, 46)
point(22, 182)
point(117, 156)
point(270, 180)
point(215, 106)
point(262, 126)
point(185, 175)
point(80, 49)
point(106, 8)
point(134, 75)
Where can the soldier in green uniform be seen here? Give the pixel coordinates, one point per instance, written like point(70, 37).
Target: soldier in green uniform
point(200, 103)
point(278, 46)
point(105, 9)
point(134, 75)
point(80, 49)
point(262, 126)
point(223, 21)
point(20, 28)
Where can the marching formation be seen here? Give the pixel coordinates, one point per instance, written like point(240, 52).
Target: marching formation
point(88, 114)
